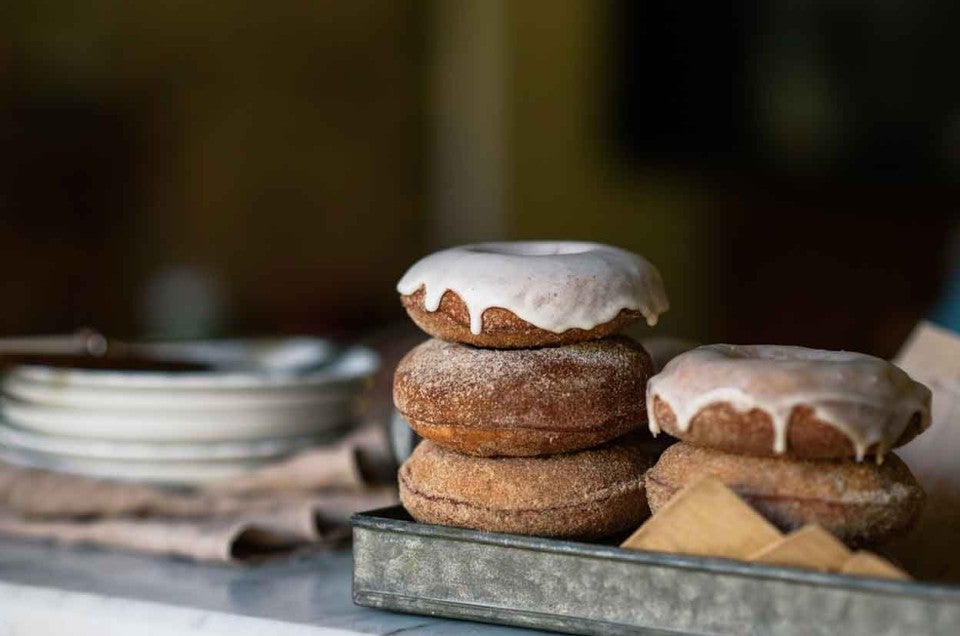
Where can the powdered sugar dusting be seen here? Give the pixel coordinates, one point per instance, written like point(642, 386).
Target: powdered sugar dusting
point(573, 386)
point(527, 483)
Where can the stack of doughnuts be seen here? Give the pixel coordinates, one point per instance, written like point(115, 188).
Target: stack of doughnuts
point(788, 428)
point(525, 397)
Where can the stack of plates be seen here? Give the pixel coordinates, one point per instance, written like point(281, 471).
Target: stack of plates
point(261, 401)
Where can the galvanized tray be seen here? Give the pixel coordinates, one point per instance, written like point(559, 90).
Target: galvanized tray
point(584, 588)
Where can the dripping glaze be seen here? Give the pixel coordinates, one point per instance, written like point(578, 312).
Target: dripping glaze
point(868, 399)
point(553, 285)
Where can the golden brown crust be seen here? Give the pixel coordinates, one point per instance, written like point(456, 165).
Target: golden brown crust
point(502, 329)
point(860, 503)
point(588, 494)
point(516, 442)
point(524, 401)
point(721, 426)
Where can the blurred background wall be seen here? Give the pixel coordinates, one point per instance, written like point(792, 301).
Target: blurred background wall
point(189, 169)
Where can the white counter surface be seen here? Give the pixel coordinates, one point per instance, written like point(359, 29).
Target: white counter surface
point(47, 589)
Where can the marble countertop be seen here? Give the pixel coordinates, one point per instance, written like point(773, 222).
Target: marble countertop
point(46, 589)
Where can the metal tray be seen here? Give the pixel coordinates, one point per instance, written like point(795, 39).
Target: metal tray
point(584, 588)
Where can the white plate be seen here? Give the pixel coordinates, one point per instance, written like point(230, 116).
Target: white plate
point(72, 395)
point(166, 425)
point(257, 389)
point(343, 370)
point(26, 440)
point(167, 473)
point(297, 353)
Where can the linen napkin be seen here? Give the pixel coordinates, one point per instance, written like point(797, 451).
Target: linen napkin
point(932, 356)
point(300, 503)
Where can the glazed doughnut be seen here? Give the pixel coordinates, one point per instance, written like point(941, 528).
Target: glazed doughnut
point(523, 401)
point(583, 495)
point(860, 503)
point(792, 401)
point(530, 293)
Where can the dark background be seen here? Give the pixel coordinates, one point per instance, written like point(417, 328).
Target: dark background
point(246, 168)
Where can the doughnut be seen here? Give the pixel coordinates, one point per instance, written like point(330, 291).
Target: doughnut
point(530, 293)
point(859, 502)
point(523, 401)
point(584, 495)
point(791, 401)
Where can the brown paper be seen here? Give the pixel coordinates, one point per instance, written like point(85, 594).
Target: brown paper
point(869, 564)
point(809, 547)
point(708, 519)
point(705, 518)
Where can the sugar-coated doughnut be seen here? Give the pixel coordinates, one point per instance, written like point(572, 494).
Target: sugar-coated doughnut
point(531, 293)
point(859, 502)
point(792, 401)
point(523, 401)
point(584, 495)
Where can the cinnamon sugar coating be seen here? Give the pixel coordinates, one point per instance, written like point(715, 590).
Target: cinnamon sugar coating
point(587, 494)
point(502, 329)
point(859, 502)
point(523, 402)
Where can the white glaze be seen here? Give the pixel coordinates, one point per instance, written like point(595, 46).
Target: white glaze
point(552, 285)
point(869, 400)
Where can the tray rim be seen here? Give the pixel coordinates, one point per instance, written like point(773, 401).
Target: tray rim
point(523, 618)
point(382, 519)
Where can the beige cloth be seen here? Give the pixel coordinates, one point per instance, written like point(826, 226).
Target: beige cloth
point(929, 552)
point(302, 502)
